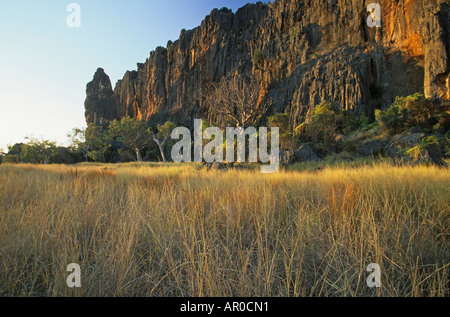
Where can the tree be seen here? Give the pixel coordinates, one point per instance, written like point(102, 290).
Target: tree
point(38, 151)
point(281, 121)
point(99, 141)
point(162, 136)
point(322, 125)
point(135, 135)
point(2, 154)
point(237, 101)
point(15, 149)
point(391, 120)
point(414, 111)
point(93, 142)
point(79, 141)
point(14, 153)
point(11, 158)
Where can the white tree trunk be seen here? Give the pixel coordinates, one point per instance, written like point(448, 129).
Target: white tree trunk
point(138, 155)
point(160, 145)
point(162, 151)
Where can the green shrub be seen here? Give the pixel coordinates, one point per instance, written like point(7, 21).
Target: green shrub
point(257, 58)
point(11, 159)
point(38, 151)
point(447, 144)
point(16, 148)
point(300, 134)
point(281, 121)
point(321, 128)
point(293, 33)
point(262, 4)
point(414, 111)
point(349, 122)
point(351, 146)
point(310, 56)
point(443, 125)
point(392, 119)
point(365, 124)
point(226, 10)
point(170, 51)
point(419, 153)
point(171, 48)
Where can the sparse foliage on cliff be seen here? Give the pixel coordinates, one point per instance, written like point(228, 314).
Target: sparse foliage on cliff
point(226, 10)
point(293, 33)
point(257, 58)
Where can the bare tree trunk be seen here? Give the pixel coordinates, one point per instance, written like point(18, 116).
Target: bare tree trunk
point(160, 146)
point(161, 150)
point(138, 155)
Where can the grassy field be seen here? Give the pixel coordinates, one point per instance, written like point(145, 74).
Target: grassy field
point(179, 230)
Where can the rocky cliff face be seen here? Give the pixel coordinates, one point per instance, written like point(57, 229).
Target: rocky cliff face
point(100, 105)
point(304, 52)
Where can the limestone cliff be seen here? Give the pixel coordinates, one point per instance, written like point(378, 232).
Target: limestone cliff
point(100, 106)
point(304, 51)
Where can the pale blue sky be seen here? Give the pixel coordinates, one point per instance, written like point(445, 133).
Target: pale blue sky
point(45, 65)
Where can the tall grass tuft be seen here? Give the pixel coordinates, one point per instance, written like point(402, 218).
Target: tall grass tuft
point(178, 230)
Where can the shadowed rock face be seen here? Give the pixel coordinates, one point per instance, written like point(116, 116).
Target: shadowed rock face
point(308, 51)
point(99, 104)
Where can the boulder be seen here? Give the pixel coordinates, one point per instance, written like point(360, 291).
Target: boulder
point(345, 156)
point(399, 143)
point(342, 157)
point(63, 156)
point(428, 157)
point(286, 158)
point(371, 148)
point(305, 154)
point(436, 158)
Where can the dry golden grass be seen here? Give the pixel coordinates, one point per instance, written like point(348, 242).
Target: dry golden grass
point(153, 230)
